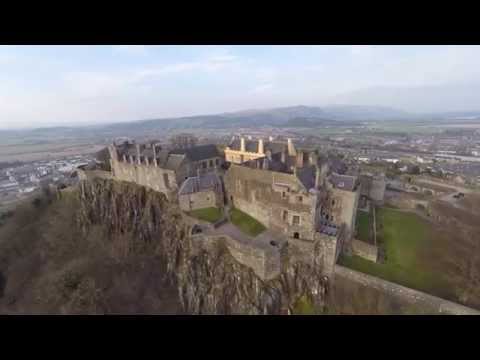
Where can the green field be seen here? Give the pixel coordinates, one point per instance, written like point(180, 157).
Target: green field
point(406, 239)
point(246, 223)
point(363, 226)
point(210, 214)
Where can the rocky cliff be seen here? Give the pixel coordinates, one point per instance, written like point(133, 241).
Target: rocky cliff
point(139, 221)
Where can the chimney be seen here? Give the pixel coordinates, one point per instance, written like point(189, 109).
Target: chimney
point(131, 159)
point(242, 144)
point(284, 157)
point(146, 161)
point(124, 157)
point(260, 146)
point(138, 153)
point(154, 148)
point(291, 148)
point(300, 159)
point(269, 155)
point(317, 177)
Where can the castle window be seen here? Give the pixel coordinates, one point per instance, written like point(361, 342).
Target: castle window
point(300, 199)
point(333, 202)
point(296, 220)
point(216, 162)
point(285, 215)
point(284, 195)
point(204, 164)
point(211, 163)
point(296, 235)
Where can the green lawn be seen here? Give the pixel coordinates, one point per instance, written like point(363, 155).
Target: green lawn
point(405, 237)
point(210, 214)
point(363, 226)
point(246, 223)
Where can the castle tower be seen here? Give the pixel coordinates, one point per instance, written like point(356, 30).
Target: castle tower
point(261, 149)
point(291, 148)
point(242, 144)
point(317, 177)
point(154, 149)
point(138, 153)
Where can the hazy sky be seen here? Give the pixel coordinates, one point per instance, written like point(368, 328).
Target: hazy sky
point(64, 85)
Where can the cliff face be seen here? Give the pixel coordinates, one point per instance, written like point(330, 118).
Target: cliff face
point(210, 281)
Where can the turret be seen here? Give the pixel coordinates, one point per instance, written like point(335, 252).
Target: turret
point(291, 148)
point(138, 153)
point(317, 177)
point(261, 149)
point(154, 149)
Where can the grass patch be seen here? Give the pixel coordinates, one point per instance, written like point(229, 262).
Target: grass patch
point(405, 237)
point(363, 226)
point(246, 223)
point(210, 214)
point(304, 306)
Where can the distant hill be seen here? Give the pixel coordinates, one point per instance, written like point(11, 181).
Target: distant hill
point(292, 116)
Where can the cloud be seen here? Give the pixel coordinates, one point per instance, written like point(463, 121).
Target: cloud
point(261, 89)
point(131, 49)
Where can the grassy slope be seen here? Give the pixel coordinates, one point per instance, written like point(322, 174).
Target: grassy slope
point(48, 266)
point(210, 214)
point(246, 223)
point(405, 237)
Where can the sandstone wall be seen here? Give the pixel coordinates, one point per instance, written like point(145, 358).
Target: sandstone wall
point(199, 200)
point(431, 304)
point(155, 178)
point(365, 250)
point(344, 209)
point(267, 195)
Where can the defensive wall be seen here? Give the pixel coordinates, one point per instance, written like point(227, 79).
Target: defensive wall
point(405, 294)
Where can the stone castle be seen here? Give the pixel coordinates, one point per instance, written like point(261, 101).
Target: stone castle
point(300, 197)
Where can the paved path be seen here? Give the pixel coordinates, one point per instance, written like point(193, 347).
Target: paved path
point(262, 240)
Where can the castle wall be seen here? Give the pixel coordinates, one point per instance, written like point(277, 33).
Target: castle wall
point(275, 199)
point(199, 200)
point(239, 157)
point(405, 294)
point(156, 178)
point(343, 206)
point(365, 250)
point(265, 263)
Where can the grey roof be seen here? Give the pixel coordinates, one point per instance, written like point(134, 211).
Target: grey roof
point(306, 176)
point(200, 183)
point(344, 182)
point(199, 152)
point(165, 159)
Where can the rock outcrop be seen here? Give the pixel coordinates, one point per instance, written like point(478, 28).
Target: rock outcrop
point(209, 281)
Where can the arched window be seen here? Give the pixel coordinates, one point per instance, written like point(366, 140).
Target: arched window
point(296, 235)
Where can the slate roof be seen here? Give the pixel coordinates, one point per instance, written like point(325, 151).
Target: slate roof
point(306, 176)
point(199, 183)
point(165, 159)
point(199, 152)
point(344, 182)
